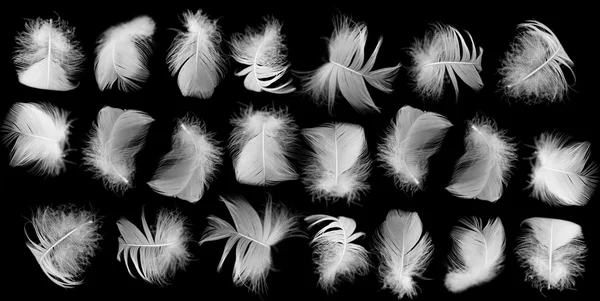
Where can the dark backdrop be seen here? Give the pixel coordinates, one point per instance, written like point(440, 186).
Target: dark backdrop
point(306, 28)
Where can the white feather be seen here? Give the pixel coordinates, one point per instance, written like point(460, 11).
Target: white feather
point(532, 70)
point(347, 72)
point(254, 238)
point(122, 55)
point(263, 52)
point(404, 252)
point(260, 144)
point(552, 251)
point(411, 140)
point(48, 56)
point(339, 164)
point(67, 239)
point(114, 141)
point(195, 56)
point(484, 168)
point(40, 133)
point(156, 254)
point(190, 166)
point(560, 176)
point(444, 51)
point(337, 258)
point(477, 254)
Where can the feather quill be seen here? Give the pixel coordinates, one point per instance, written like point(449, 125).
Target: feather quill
point(40, 133)
point(410, 141)
point(254, 238)
point(560, 176)
point(263, 52)
point(404, 251)
point(445, 52)
point(532, 69)
point(115, 139)
point(484, 168)
point(552, 251)
point(337, 257)
point(122, 55)
point(477, 254)
point(339, 164)
point(190, 166)
point(67, 239)
point(48, 56)
point(260, 144)
point(158, 253)
point(195, 56)
point(347, 72)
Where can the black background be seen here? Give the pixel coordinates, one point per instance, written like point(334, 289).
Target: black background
point(306, 27)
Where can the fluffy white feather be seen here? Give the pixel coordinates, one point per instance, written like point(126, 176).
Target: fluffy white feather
point(445, 52)
point(115, 139)
point(552, 251)
point(40, 133)
point(195, 56)
point(404, 252)
point(347, 72)
point(263, 52)
point(254, 238)
point(190, 166)
point(158, 253)
point(67, 239)
point(339, 164)
point(260, 144)
point(532, 69)
point(48, 56)
point(477, 254)
point(411, 140)
point(337, 257)
point(484, 168)
point(122, 55)
point(562, 174)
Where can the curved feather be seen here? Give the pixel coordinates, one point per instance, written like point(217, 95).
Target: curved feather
point(532, 69)
point(552, 251)
point(444, 52)
point(562, 174)
point(337, 257)
point(195, 56)
point(339, 164)
point(122, 55)
point(48, 56)
point(190, 166)
point(115, 139)
point(260, 144)
point(347, 72)
point(254, 238)
point(404, 251)
point(484, 168)
point(411, 140)
point(477, 254)
point(156, 254)
point(40, 133)
point(263, 52)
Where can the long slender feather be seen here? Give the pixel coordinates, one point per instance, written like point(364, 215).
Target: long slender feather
point(156, 254)
point(404, 252)
point(347, 72)
point(562, 175)
point(195, 56)
point(411, 140)
point(552, 251)
point(477, 254)
point(48, 56)
point(40, 134)
point(190, 166)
